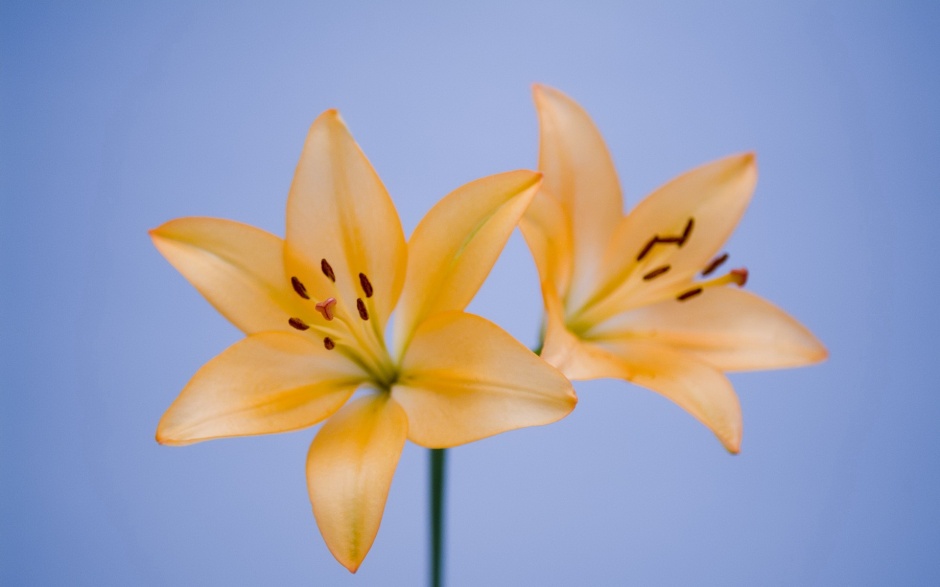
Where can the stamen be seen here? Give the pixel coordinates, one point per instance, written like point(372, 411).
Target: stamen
point(739, 276)
point(326, 308)
point(361, 306)
point(649, 247)
point(687, 232)
point(328, 343)
point(656, 272)
point(298, 324)
point(366, 285)
point(689, 294)
point(327, 270)
point(715, 264)
point(299, 288)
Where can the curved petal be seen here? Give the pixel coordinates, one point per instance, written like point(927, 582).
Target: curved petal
point(339, 211)
point(269, 382)
point(732, 329)
point(237, 267)
point(456, 244)
point(695, 386)
point(713, 196)
point(548, 234)
point(349, 471)
point(581, 175)
point(463, 378)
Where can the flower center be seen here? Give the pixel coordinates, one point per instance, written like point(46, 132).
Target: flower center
point(641, 283)
point(343, 331)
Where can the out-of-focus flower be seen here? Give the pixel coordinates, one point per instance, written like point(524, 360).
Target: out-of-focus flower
point(636, 296)
point(314, 307)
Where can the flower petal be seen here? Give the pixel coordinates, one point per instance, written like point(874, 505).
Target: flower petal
point(732, 329)
point(463, 378)
point(580, 174)
point(269, 382)
point(339, 211)
point(697, 387)
point(237, 267)
point(548, 233)
point(456, 244)
point(349, 471)
point(714, 196)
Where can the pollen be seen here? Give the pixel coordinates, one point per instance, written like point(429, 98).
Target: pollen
point(366, 285)
point(361, 306)
point(689, 294)
point(327, 270)
point(656, 272)
point(715, 264)
point(298, 323)
point(649, 247)
point(299, 288)
point(328, 343)
point(687, 232)
point(326, 307)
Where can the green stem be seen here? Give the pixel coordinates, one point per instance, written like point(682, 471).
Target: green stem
point(438, 460)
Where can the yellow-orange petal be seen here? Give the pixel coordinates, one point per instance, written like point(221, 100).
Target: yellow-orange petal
point(713, 197)
point(238, 268)
point(548, 233)
point(697, 387)
point(269, 382)
point(349, 471)
point(463, 378)
point(732, 329)
point(456, 244)
point(338, 210)
point(578, 172)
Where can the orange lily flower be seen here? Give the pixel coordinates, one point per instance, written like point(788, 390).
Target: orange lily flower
point(635, 296)
point(314, 307)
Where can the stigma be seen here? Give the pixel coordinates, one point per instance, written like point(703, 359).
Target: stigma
point(326, 308)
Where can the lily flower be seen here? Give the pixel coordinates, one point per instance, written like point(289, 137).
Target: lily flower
point(314, 307)
point(639, 297)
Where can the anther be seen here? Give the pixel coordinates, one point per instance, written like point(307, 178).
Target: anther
point(715, 264)
point(649, 247)
point(298, 324)
point(689, 294)
point(326, 307)
point(656, 272)
point(739, 276)
point(361, 306)
point(328, 343)
point(299, 288)
point(366, 285)
point(687, 232)
point(327, 270)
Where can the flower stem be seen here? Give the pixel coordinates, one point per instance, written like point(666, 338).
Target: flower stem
point(438, 460)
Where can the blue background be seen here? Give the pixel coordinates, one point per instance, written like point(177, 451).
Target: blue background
point(115, 117)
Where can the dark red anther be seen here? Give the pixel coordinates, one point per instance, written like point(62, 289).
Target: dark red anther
point(715, 264)
point(649, 247)
point(299, 288)
point(327, 270)
point(328, 343)
point(366, 285)
point(298, 324)
point(687, 232)
point(689, 294)
point(361, 306)
point(656, 272)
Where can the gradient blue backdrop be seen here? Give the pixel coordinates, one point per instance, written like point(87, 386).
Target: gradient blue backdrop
point(115, 117)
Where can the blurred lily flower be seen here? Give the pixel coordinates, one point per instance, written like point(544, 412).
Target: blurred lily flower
point(314, 307)
point(639, 297)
